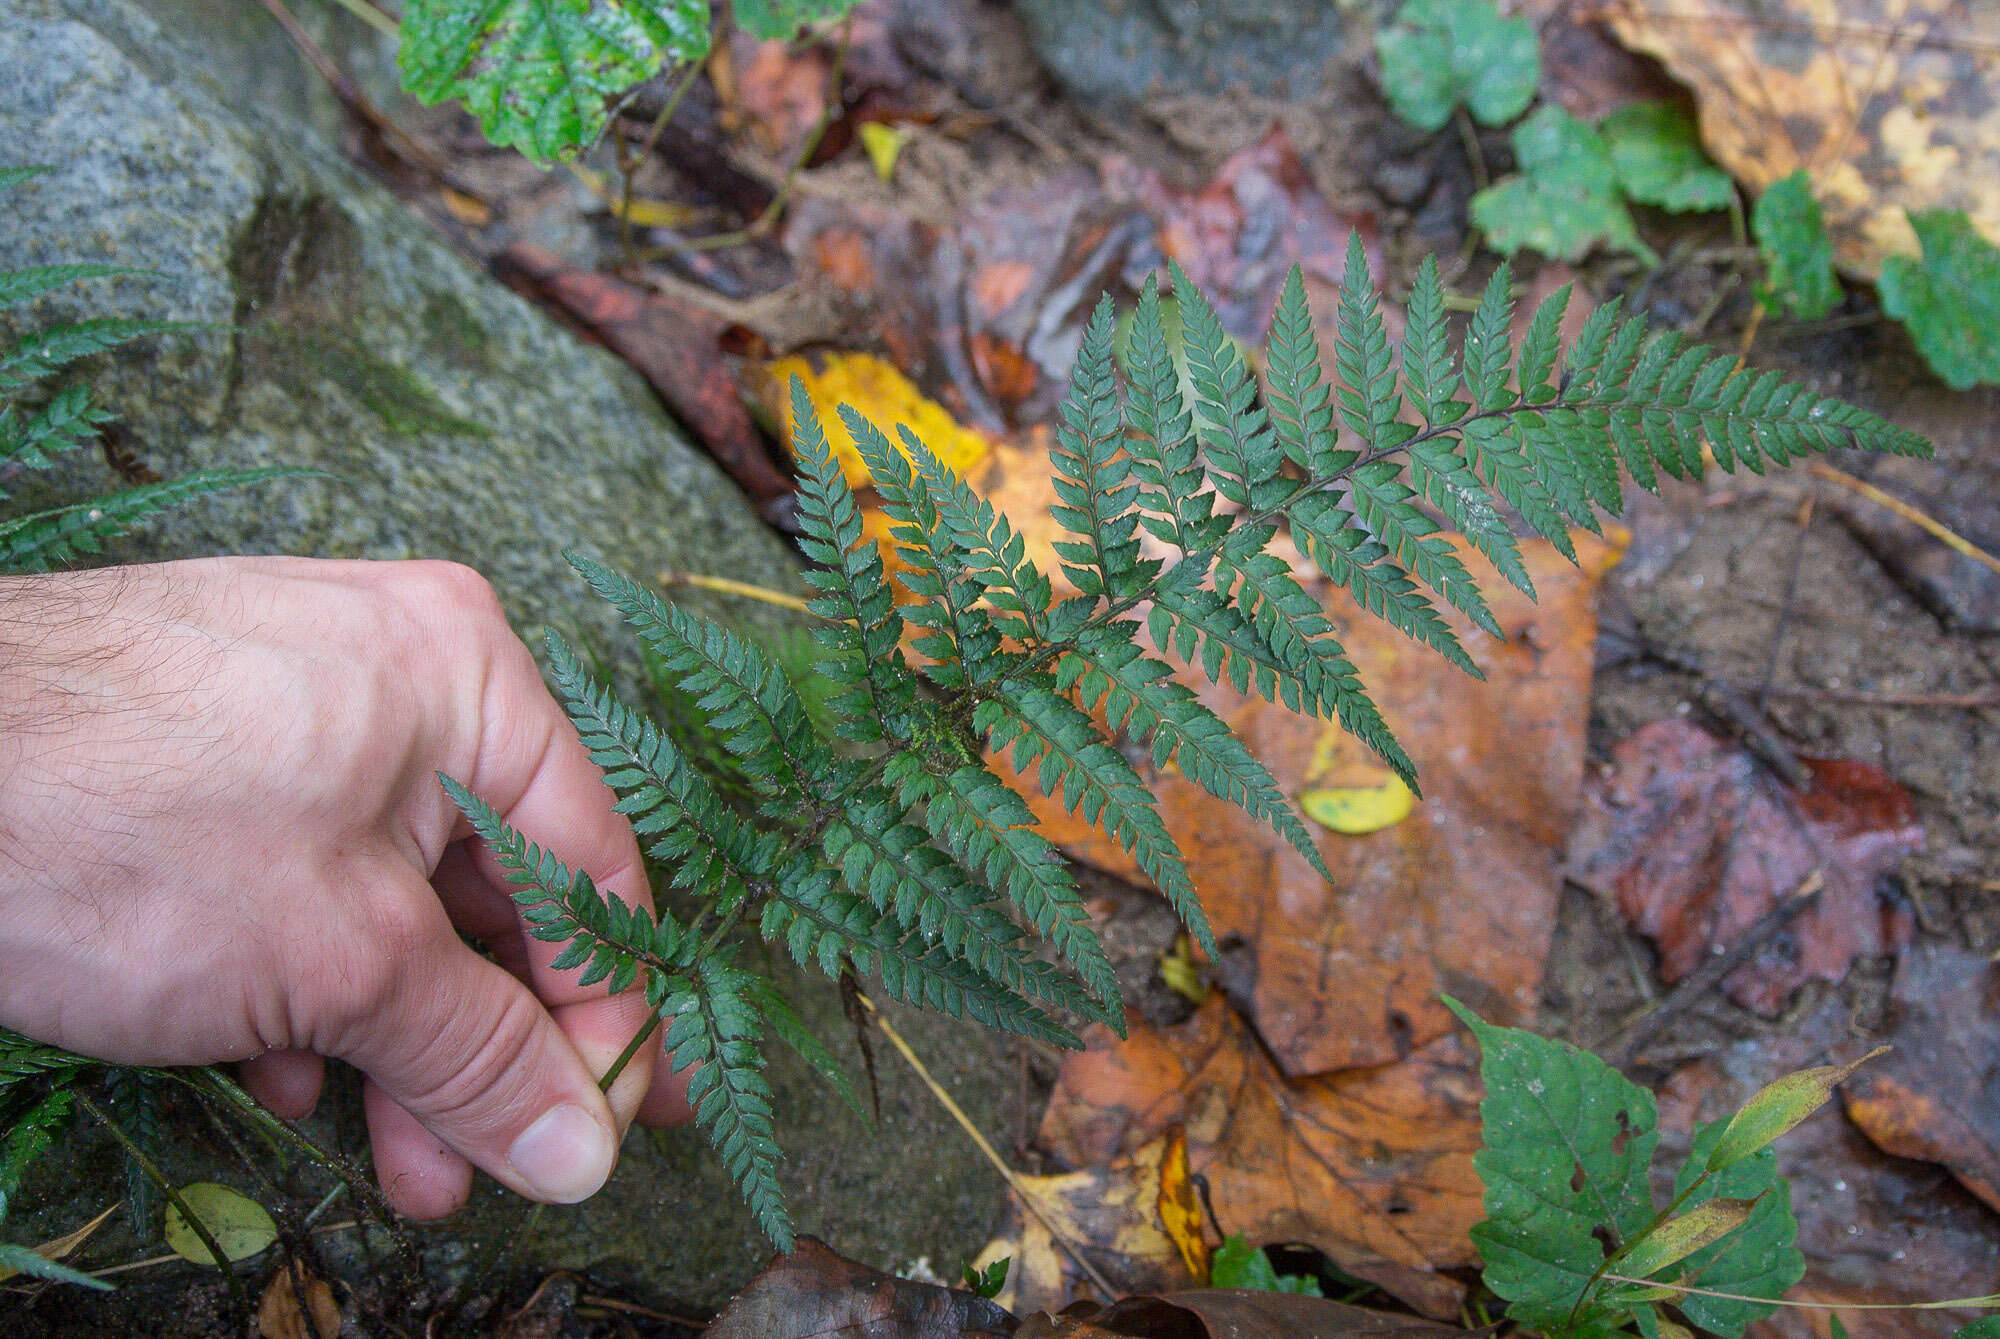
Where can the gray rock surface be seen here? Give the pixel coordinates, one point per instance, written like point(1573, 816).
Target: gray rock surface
point(1124, 51)
point(457, 422)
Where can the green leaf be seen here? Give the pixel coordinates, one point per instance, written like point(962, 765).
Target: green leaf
point(1441, 53)
point(1238, 1264)
point(241, 1226)
point(781, 20)
point(1565, 199)
point(1657, 153)
point(1759, 1259)
point(1986, 1327)
point(1950, 300)
point(1798, 255)
point(1778, 1107)
point(539, 73)
point(989, 1281)
point(1567, 1144)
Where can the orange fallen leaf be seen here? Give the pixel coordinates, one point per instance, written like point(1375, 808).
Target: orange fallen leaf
point(283, 1314)
point(1180, 1211)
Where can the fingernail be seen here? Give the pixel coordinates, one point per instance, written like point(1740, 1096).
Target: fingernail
point(565, 1155)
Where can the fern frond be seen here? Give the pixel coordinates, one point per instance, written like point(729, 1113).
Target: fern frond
point(1177, 505)
point(1141, 697)
point(961, 642)
point(1488, 352)
point(17, 286)
point(695, 835)
point(984, 543)
point(45, 352)
point(822, 921)
point(790, 1029)
point(1094, 780)
point(715, 1026)
point(66, 422)
point(890, 862)
point(23, 1058)
point(746, 698)
point(1095, 490)
point(43, 540)
point(29, 1136)
point(1430, 381)
point(990, 828)
point(10, 177)
point(1301, 403)
point(1232, 427)
point(1369, 403)
point(863, 632)
point(605, 935)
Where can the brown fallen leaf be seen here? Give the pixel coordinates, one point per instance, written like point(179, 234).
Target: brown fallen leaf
point(1227, 1313)
point(1887, 103)
point(1694, 842)
point(1458, 897)
point(814, 1292)
point(297, 1304)
point(1372, 1167)
point(1936, 1096)
point(673, 344)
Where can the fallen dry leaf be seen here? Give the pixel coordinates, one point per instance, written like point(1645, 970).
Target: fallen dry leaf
point(1936, 1096)
point(813, 1293)
point(1372, 1167)
point(1694, 842)
point(61, 1247)
point(1459, 896)
point(282, 1315)
point(1227, 1313)
point(879, 392)
point(1887, 103)
point(673, 344)
point(1179, 1210)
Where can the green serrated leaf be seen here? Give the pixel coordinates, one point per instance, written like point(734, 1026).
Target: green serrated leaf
point(1949, 300)
point(1798, 255)
point(781, 20)
point(1565, 199)
point(1567, 1143)
point(1238, 1264)
point(539, 74)
point(1439, 54)
point(1657, 154)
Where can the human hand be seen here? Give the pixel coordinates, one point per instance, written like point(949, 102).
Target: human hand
point(222, 838)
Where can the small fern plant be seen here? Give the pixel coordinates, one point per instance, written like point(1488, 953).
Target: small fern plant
point(890, 847)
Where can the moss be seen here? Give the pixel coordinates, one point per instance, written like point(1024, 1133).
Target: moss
point(393, 394)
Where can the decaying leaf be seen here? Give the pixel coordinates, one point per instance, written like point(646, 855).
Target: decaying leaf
point(1179, 1210)
point(1344, 974)
point(1374, 1167)
point(1936, 1095)
point(1229, 1314)
point(1694, 842)
point(297, 1304)
point(814, 1292)
point(1888, 104)
point(876, 389)
point(60, 1248)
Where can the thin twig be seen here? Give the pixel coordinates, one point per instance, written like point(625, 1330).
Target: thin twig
point(628, 169)
point(726, 586)
point(371, 16)
point(350, 93)
point(1922, 520)
point(1007, 1174)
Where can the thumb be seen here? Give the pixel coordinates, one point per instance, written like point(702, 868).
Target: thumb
point(474, 1057)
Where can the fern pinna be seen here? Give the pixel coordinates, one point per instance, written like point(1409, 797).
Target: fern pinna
point(893, 848)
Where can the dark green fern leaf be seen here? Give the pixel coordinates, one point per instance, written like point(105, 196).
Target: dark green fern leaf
point(1141, 698)
point(1301, 408)
point(66, 422)
point(44, 540)
point(1177, 503)
point(984, 544)
point(1092, 779)
point(1095, 490)
point(17, 286)
point(714, 1025)
point(46, 352)
point(863, 631)
point(1232, 427)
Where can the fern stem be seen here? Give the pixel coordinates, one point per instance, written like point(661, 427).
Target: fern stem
point(631, 1049)
point(237, 1292)
point(371, 16)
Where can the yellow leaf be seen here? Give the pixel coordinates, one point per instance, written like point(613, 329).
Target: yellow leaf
point(884, 144)
point(239, 1225)
point(1180, 1211)
point(63, 1245)
point(1355, 810)
point(884, 396)
point(1180, 973)
point(641, 213)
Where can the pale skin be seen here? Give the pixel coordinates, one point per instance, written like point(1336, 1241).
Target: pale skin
point(222, 839)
